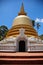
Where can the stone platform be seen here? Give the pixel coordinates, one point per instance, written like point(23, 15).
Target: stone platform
point(21, 58)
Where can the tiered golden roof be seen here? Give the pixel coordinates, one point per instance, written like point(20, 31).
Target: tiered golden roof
point(22, 21)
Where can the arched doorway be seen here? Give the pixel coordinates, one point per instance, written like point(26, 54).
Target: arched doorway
point(22, 46)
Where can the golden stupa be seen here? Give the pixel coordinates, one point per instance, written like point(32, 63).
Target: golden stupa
point(22, 21)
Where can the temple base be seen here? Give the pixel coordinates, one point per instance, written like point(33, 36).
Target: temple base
point(21, 58)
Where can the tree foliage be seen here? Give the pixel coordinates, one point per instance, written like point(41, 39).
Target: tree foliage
point(33, 23)
point(38, 25)
point(41, 36)
point(3, 32)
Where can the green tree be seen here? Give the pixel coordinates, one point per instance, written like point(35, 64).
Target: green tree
point(38, 26)
point(3, 31)
point(33, 23)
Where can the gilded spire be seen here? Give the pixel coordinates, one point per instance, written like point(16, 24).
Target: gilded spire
point(22, 12)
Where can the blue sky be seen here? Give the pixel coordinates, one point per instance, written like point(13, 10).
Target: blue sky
point(9, 10)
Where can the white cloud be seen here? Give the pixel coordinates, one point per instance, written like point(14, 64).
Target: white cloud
point(39, 20)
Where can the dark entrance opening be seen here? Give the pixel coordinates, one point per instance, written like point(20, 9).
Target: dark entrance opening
point(22, 46)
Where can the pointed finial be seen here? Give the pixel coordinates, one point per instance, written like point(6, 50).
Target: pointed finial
point(22, 12)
